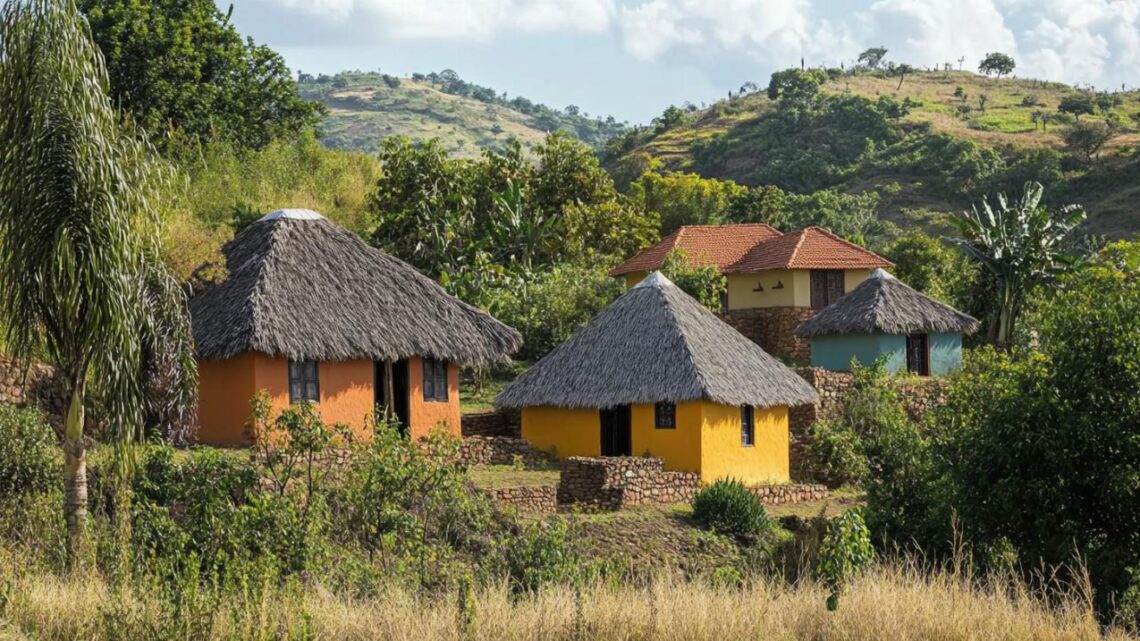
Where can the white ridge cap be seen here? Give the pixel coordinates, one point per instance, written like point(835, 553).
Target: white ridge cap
point(879, 272)
point(655, 279)
point(293, 214)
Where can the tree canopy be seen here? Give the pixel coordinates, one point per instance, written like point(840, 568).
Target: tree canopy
point(997, 63)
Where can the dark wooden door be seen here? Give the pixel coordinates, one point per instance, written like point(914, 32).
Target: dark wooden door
point(918, 354)
point(827, 286)
point(616, 432)
point(399, 389)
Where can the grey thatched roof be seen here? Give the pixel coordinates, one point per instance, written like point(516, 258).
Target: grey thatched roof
point(302, 287)
point(882, 304)
point(653, 344)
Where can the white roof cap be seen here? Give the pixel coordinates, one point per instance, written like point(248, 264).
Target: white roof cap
point(879, 272)
point(655, 279)
point(294, 214)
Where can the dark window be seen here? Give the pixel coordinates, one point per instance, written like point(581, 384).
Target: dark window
point(665, 416)
point(435, 380)
point(304, 381)
point(747, 426)
point(827, 286)
point(918, 354)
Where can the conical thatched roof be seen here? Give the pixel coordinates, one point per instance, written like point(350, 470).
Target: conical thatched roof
point(882, 304)
point(302, 287)
point(653, 344)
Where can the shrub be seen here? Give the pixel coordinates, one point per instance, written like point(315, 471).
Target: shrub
point(846, 550)
point(29, 460)
point(728, 508)
point(540, 554)
point(835, 454)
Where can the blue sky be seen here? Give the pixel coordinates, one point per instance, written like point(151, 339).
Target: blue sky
point(632, 58)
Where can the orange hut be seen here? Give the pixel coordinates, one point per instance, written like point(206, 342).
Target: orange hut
point(310, 312)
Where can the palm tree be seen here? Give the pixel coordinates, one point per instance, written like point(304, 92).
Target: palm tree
point(82, 284)
point(1020, 244)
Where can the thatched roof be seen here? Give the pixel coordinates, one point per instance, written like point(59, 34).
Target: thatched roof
point(882, 304)
point(653, 344)
point(302, 287)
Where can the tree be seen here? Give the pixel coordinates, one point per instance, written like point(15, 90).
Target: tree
point(872, 57)
point(795, 87)
point(180, 65)
point(704, 283)
point(1088, 138)
point(1020, 245)
point(930, 266)
point(83, 283)
point(998, 63)
point(901, 71)
point(673, 116)
point(684, 198)
point(1077, 104)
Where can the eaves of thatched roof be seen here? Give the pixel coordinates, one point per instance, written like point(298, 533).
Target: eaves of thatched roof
point(302, 287)
point(656, 344)
point(882, 304)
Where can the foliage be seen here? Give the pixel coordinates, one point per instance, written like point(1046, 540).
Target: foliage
point(931, 267)
point(728, 508)
point(706, 284)
point(83, 283)
point(1088, 138)
point(846, 551)
point(1077, 104)
point(1020, 245)
point(539, 554)
point(997, 63)
point(872, 57)
point(834, 453)
point(795, 88)
point(672, 117)
point(29, 463)
point(684, 198)
point(180, 65)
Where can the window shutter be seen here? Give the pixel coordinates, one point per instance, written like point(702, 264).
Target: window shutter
point(441, 380)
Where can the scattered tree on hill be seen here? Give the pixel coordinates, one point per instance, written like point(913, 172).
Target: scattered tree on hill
point(795, 87)
point(872, 57)
point(901, 70)
point(982, 100)
point(181, 65)
point(1020, 245)
point(673, 116)
point(1088, 138)
point(1077, 104)
point(996, 63)
point(83, 284)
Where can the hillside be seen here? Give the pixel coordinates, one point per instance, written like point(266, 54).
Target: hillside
point(746, 139)
point(364, 108)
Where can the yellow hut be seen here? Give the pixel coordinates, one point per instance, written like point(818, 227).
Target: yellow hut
point(658, 374)
point(311, 313)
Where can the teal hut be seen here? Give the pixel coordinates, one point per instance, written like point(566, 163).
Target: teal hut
point(883, 316)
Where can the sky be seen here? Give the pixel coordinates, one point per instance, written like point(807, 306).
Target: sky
point(633, 58)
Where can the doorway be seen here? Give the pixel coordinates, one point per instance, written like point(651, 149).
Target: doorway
point(399, 389)
point(616, 431)
point(918, 354)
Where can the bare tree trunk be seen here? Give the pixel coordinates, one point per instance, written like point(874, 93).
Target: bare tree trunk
point(75, 473)
point(389, 392)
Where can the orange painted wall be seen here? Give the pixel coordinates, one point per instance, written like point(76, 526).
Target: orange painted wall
point(424, 416)
point(226, 389)
point(224, 392)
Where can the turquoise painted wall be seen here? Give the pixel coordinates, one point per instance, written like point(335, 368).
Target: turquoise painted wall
point(835, 352)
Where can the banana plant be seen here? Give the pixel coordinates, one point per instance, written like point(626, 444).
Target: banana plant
point(1021, 244)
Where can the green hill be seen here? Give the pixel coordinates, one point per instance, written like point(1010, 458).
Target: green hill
point(925, 146)
point(364, 108)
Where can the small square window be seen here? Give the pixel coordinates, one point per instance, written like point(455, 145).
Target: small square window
point(304, 382)
point(747, 426)
point(665, 416)
point(435, 380)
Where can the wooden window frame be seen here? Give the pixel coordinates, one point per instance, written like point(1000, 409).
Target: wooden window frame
point(747, 426)
point(435, 383)
point(299, 380)
point(665, 416)
point(825, 294)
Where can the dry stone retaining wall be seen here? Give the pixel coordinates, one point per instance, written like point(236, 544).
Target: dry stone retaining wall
point(506, 423)
point(535, 498)
point(500, 450)
point(32, 385)
point(772, 329)
point(612, 483)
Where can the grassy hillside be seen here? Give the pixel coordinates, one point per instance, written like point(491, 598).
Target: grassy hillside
point(733, 139)
point(364, 108)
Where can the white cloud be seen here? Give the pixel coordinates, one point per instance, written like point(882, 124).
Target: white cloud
point(463, 19)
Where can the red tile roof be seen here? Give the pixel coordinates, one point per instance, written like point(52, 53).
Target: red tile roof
point(720, 245)
point(808, 248)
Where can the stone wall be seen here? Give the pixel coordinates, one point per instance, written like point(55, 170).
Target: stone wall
point(500, 450)
point(507, 423)
point(612, 483)
point(534, 498)
point(772, 328)
point(35, 385)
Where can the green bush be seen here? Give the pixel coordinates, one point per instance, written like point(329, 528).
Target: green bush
point(835, 454)
point(728, 508)
point(540, 554)
point(846, 550)
point(29, 458)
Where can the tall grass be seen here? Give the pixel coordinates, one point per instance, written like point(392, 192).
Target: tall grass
point(892, 602)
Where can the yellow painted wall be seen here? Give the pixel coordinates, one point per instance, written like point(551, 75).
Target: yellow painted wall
point(796, 291)
point(569, 432)
point(680, 447)
point(425, 416)
point(722, 454)
point(634, 278)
